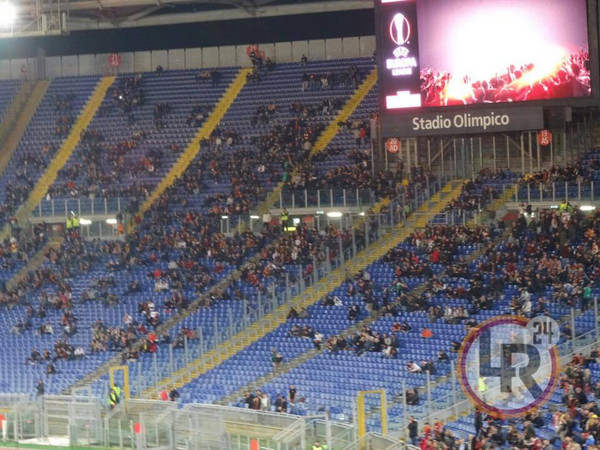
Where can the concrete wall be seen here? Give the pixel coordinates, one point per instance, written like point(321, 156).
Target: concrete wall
point(191, 58)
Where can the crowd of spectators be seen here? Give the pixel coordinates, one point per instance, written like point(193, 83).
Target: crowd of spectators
point(128, 94)
point(104, 166)
point(214, 76)
point(428, 247)
point(326, 107)
point(260, 401)
point(16, 249)
point(331, 79)
point(569, 174)
point(475, 196)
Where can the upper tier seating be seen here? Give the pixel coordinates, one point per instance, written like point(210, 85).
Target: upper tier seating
point(139, 141)
point(44, 135)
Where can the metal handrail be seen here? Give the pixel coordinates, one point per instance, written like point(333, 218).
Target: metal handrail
point(82, 206)
point(546, 192)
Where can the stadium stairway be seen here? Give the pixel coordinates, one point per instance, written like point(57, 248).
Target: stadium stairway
point(34, 262)
point(376, 208)
point(507, 195)
point(63, 154)
point(188, 155)
point(18, 116)
point(271, 321)
point(328, 134)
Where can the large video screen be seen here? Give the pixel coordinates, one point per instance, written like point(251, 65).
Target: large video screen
point(439, 53)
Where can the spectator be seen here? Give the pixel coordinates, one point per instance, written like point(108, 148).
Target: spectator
point(264, 402)
point(40, 389)
point(412, 396)
point(292, 314)
point(412, 367)
point(280, 403)
point(353, 312)
point(413, 431)
point(173, 394)
point(426, 333)
point(276, 359)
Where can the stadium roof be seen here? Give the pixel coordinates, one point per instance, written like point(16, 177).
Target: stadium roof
point(37, 17)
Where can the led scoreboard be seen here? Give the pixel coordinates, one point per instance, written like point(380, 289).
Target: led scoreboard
point(438, 56)
point(399, 47)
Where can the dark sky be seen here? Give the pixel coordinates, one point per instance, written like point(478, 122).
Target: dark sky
point(272, 29)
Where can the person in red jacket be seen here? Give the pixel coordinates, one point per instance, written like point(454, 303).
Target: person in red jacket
point(426, 333)
point(164, 395)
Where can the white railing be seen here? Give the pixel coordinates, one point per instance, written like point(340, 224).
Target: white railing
point(82, 206)
point(572, 191)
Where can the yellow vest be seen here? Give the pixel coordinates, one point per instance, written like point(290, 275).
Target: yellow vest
point(76, 222)
point(481, 384)
point(117, 391)
point(69, 224)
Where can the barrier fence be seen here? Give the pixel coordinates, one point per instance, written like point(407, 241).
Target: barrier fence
point(143, 424)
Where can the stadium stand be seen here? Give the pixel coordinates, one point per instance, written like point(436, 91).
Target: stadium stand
point(87, 281)
point(178, 287)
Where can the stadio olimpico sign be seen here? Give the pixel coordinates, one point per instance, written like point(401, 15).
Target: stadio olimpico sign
point(474, 121)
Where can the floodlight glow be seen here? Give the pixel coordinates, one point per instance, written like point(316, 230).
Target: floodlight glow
point(334, 214)
point(224, 217)
point(254, 217)
point(85, 222)
point(111, 221)
point(8, 13)
point(587, 208)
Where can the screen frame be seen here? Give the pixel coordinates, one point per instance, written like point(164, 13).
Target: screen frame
point(580, 102)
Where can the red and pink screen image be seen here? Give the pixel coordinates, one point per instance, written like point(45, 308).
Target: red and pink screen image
point(498, 51)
